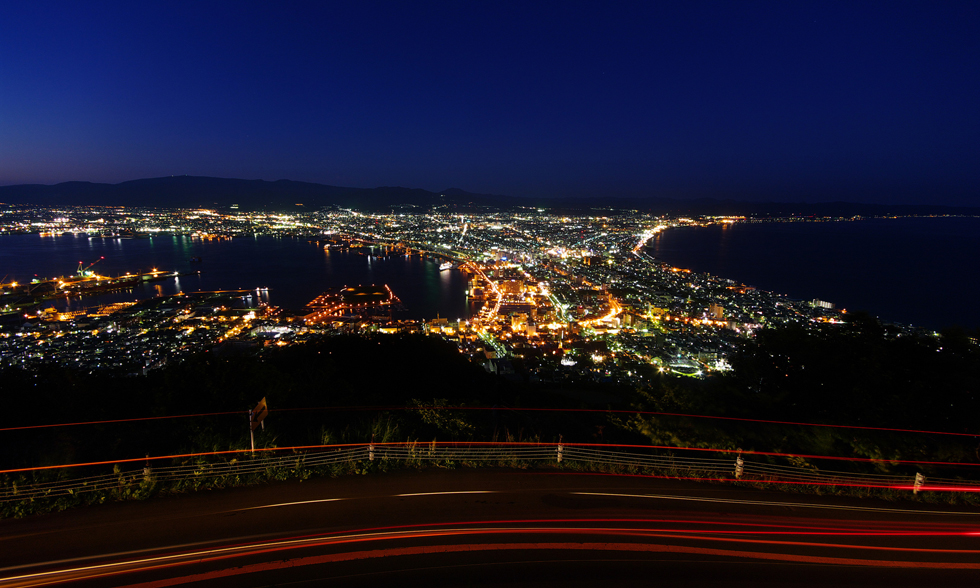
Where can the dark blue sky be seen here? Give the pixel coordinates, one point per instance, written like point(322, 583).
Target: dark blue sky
point(782, 100)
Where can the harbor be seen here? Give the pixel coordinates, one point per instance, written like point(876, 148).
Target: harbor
point(16, 299)
point(295, 269)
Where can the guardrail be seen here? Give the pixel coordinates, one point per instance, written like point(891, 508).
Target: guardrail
point(657, 463)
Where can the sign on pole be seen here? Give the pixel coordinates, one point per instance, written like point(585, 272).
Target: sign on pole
point(919, 481)
point(259, 413)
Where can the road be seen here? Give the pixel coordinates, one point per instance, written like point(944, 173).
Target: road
point(491, 527)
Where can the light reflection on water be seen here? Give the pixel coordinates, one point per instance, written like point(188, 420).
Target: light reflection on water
point(294, 270)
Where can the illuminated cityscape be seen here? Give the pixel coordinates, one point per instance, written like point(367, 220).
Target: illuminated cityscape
point(489, 294)
point(559, 297)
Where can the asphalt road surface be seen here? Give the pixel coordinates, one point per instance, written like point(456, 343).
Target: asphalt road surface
point(492, 527)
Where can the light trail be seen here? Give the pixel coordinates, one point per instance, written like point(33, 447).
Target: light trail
point(132, 420)
point(515, 409)
point(180, 456)
point(444, 493)
point(219, 554)
point(289, 504)
point(767, 479)
point(564, 547)
point(779, 504)
point(525, 444)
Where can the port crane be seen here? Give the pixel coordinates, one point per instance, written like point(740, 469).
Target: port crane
point(86, 272)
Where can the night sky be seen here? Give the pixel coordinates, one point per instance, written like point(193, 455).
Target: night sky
point(783, 100)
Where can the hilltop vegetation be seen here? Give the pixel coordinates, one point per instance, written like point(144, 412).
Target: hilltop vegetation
point(319, 393)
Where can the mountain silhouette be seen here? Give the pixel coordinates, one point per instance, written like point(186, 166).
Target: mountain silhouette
point(208, 192)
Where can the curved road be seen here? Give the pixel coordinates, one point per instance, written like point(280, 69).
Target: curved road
point(492, 527)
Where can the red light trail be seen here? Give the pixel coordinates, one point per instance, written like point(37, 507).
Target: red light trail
point(464, 444)
point(454, 540)
point(507, 409)
point(132, 420)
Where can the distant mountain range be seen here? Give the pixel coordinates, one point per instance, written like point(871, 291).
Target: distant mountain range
point(196, 191)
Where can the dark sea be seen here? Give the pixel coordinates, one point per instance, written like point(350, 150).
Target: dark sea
point(294, 270)
point(919, 271)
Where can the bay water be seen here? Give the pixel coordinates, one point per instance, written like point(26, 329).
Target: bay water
point(294, 270)
point(919, 270)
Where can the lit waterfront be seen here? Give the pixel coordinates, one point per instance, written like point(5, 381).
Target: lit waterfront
point(293, 269)
point(552, 297)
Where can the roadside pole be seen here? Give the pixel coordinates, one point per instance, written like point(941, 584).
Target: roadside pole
point(256, 417)
point(251, 429)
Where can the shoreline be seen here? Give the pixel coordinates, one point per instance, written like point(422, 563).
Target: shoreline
point(793, 291)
